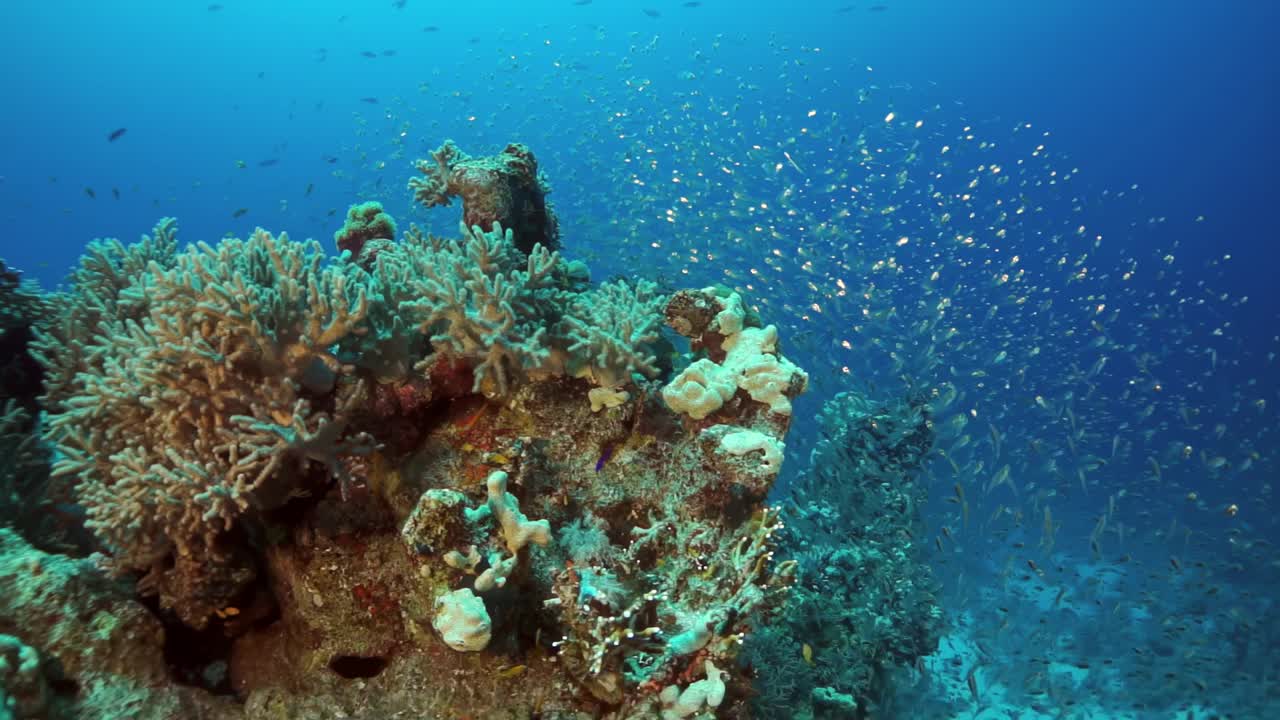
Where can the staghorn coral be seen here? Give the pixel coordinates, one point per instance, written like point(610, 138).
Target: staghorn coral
point(509, 315)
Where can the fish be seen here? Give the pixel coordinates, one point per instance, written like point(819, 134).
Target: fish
point(239, 212)
point(580, 3)
point(368, 53)
point(116, 134)
point(310, 187)
point(115, 193)
point(431, 29)
point(370, 100)
point(89, 191)
point(878, 8)
point(511, 672)
point(268, 162)
point(692, 4)
point(651, 13)
point(214, 8)
point(605, 454)
point(389, 53)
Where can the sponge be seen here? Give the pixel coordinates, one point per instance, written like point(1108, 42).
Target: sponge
point(751, 363)
point(462, 621)
point(517, 529)
point(708, 691)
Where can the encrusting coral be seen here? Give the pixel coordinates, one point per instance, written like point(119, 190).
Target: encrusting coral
point(430, 476)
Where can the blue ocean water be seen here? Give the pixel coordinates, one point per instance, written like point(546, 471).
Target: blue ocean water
point(1105, 319)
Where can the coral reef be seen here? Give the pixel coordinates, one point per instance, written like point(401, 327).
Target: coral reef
point(22, 310)
point(27, 499)
point(506, 189)
point(864, 602)
point(24, 689)
point(438, 477)
point(201, 398)
point(75, 644)
point(365, 222)
point(29, 502)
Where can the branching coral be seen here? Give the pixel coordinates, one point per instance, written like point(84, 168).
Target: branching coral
point(208, 405)
point(110, 285)
point(613, 330)
point(477, 298)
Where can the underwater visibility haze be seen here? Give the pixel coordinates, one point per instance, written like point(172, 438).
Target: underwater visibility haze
point(660, 359)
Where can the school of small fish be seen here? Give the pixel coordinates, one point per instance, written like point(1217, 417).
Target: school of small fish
point(1102, 495)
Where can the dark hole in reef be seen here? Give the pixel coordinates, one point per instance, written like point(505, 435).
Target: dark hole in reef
point(352, 667)
point(198, 657)
point(59, 683)
point(65, 687)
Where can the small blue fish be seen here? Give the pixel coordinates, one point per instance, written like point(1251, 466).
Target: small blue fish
point(604, 456)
